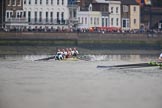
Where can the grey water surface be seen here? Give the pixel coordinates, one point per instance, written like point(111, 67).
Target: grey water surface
point(25, 83)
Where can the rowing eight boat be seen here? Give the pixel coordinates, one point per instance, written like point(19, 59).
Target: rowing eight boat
point(66, 59)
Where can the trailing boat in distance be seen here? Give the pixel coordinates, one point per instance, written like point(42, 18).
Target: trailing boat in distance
point(138, 65)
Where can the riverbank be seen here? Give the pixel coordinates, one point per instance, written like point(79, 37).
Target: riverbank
point(93, 43)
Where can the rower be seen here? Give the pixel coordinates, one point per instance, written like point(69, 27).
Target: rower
point(72, 52)
point(75, 52)
point(64, 53)
point(68, 53)
point(59, 55)
point(160, 57)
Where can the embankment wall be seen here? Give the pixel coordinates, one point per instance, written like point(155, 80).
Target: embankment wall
point(85, 40)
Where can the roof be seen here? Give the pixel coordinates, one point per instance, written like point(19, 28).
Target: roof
point(126, 2)
point(106, 1)
point(129, 2)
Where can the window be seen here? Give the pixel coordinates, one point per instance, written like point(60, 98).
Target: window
point(9, 2)
point(7, 14)
point(82, 20)
point(24, 1)
point(103, 22)
point(11, 14)
point(128, 23)
point(134, 9)
point(112, 9)
point(51, 15)
point(21, 14)
point(58, 14)
point(112, 21)
point(19, 2)
point(47, 2)
point(58, 2)
point(117, 21)
point(35, 16)
point(40, 1)
point(86, 20)
point(117, 9)
point(17, 15)
point(14, 2)
point(125, 8)
point(46, 16)
point(97, 21)
point(36, 1)
point(135, 21)
point(29, 16)
point(62, 17)
point(40, 16)
point(51, 2)
point(29, 2)
point(106, 21)
point(62, 2)
point(94, 21)
point(124, 23)
point(74, 13)
point(24, 14)
point(91, 20)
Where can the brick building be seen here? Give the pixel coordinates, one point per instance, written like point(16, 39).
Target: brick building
point(151, 14)
point(130, 14)
point(14, 14)
point(2, 13)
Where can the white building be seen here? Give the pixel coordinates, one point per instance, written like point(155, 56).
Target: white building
point(46, 13)
point(114, 16)
point(14, 15)
point(88, 19)
point(111, 18)
point(37, 14)
point(115, 13)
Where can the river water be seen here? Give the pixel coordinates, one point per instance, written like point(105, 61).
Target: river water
point(25, 83)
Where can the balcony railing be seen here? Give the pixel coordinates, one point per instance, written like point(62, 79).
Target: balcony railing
point(48, 22)
point(38, 21)
point(16, 20)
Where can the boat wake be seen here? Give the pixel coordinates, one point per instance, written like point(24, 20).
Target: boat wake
point(82, 57)
point(35, 57)
point(97, 57)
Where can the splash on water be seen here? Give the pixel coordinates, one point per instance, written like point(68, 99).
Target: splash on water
point(97, 57)
point(35, 57)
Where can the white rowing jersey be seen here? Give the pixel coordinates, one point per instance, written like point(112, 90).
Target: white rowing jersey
point(76, 51)
point(161, 55)
point(72, 52)
point(65, 53)
point(59, 53)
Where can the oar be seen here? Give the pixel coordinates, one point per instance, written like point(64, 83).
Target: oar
point(133, 65)
point(47, 58)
